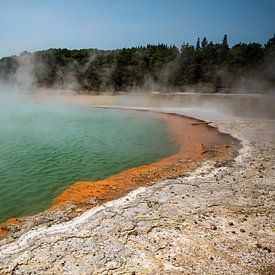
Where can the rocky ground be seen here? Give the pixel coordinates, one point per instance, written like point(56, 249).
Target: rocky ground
point(217, 220)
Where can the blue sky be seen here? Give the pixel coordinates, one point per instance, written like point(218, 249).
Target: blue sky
point(108, 24)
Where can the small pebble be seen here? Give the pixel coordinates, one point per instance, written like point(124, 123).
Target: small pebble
point(258, 245)
point(267, 249)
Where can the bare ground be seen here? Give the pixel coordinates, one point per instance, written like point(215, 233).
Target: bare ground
point(217, 220)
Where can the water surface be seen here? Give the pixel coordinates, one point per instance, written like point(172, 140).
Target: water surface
point(44, 148)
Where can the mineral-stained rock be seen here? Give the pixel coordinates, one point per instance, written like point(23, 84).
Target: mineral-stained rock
point(168, 228)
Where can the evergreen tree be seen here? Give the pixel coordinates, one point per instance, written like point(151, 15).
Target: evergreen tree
point(198, 45)
point(204, 42)
point(168, 66)
point(224, 41)
point(270, 42)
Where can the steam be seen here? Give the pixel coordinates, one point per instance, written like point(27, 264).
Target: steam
point(24, 75)
point(236, 105)
point(33, 68)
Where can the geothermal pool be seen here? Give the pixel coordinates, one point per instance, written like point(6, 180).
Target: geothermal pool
point(45, 148)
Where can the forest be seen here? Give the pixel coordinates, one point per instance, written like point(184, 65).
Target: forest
point(154, 68)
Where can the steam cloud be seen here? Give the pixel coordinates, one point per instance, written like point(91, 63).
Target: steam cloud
point(31, 69)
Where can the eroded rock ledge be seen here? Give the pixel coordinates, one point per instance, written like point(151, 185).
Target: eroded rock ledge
point(216, 220)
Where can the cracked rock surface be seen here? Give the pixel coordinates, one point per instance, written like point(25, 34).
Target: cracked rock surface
point(217, 220)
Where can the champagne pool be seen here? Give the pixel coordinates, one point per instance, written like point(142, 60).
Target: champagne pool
point(45, 148)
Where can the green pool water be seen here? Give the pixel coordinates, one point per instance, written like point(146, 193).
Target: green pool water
point(44, 148)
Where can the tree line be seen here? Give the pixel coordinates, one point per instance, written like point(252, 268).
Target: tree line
point(148, 68)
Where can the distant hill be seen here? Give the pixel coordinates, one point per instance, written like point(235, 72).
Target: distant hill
point(205, 67)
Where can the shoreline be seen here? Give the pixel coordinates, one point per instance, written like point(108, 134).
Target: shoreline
point(196, 140)
point(201, 143)
point(216, 220)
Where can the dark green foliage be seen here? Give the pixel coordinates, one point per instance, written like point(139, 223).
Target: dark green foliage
point(245, 55)
point(8, 67)
point(130, 68)
point(204, 42)
point(224, 41)
point(198, 44)
point(271, 42)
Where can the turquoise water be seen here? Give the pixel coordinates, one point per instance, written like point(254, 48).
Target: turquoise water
point(44, 148)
